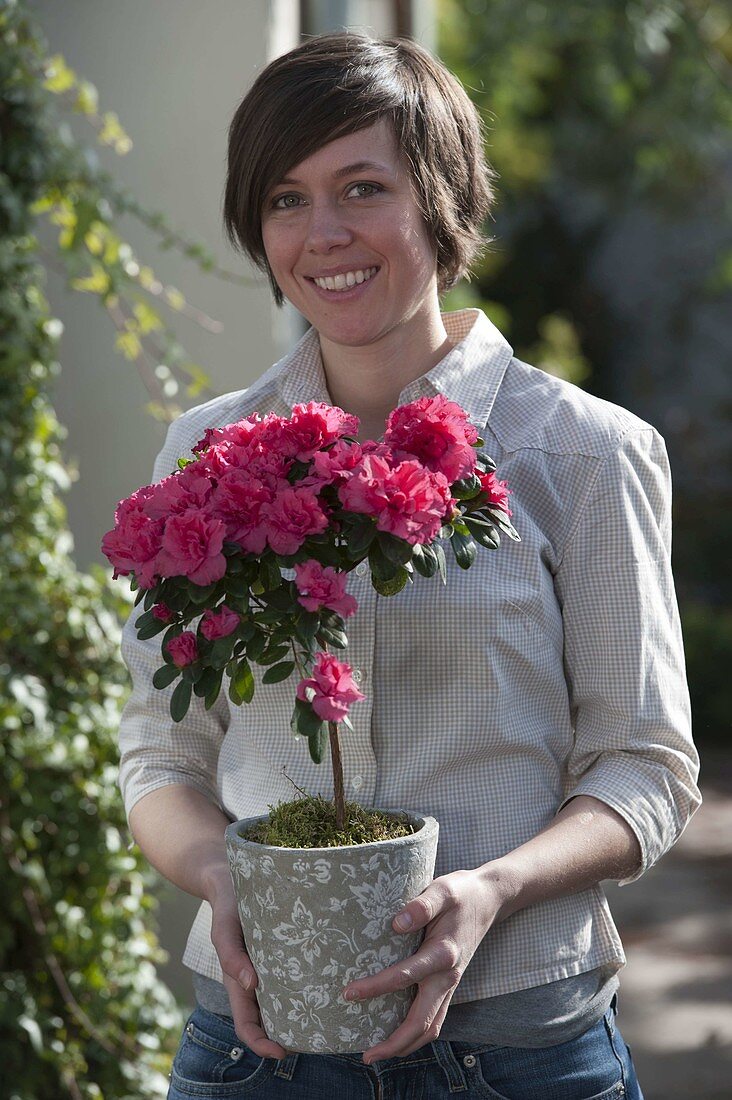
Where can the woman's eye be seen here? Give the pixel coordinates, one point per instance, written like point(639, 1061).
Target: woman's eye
point(366, 190)
point(286, 202)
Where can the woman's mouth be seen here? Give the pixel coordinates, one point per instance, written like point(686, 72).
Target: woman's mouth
point(344, 280)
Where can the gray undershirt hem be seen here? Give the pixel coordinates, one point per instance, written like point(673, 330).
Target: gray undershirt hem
point(539, 1017)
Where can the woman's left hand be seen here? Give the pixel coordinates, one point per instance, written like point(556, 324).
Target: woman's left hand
point(456, 911)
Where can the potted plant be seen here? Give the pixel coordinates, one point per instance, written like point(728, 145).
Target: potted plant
point(318, 883)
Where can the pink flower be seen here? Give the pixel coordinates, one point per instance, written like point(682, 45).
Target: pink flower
point(238, 502)
point(496, 492)
point(333, 687)
point(437, 432)
point(335, 463)
point(163, 612)
point(290, 518)
point(320, 586)
point(178, 493)
point(134, 543)
point(219, 623)
point(183, 649)
point(408, 501)
point(239, 433)
point(314, 426)
point(192, 548)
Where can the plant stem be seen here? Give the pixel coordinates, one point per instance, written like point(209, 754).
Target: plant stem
point(338, 794)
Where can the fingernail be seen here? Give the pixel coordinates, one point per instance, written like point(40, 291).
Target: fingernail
point(404, 921)
point(350, 994)
point(245, 979)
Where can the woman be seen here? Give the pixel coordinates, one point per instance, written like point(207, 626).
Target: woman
point(536, 705)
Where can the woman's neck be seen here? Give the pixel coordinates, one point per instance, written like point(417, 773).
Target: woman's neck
point(367, 381)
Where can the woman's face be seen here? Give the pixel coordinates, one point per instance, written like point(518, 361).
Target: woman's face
point(346, 242)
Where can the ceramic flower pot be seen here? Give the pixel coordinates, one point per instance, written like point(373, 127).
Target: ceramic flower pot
point(315, 919)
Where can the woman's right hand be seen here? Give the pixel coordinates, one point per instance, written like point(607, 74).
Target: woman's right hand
point(240, 978)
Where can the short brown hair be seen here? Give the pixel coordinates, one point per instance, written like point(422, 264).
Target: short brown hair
point(336, 84)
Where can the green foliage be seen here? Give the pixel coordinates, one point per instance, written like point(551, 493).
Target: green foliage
point(82, 1012)
point(596, 113)
point(49, 174)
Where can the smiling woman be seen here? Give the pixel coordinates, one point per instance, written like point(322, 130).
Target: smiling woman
point(538, 705)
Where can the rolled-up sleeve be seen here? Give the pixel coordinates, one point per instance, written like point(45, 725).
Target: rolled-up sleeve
point(155, 751)
point(623, 651)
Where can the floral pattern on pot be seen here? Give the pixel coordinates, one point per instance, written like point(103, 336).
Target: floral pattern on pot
point(316, 919)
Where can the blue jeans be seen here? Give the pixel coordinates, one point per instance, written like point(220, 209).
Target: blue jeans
point(213, 1063)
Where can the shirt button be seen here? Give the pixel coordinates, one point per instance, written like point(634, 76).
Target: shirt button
point(357, 675)
point(362, 569)
point(357, 782)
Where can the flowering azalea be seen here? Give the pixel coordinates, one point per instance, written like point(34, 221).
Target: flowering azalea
point(133, 545)
point(219, 623)
point(495, 491)
point(211, 539)
point(162, 612)
point(330, 690)
point(192, 548)
point(183, 649)
point(407, 500)
point(293, 515)
point(314, 426)
point(437, 432)
point(320, 586)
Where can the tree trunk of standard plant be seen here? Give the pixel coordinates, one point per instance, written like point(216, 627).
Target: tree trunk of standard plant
point(338, 794)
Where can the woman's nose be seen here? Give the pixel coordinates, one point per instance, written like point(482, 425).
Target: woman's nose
point(327, 228)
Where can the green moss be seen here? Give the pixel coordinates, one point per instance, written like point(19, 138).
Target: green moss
point(309, 822)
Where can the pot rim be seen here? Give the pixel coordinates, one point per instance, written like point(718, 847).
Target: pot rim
point(429, 826)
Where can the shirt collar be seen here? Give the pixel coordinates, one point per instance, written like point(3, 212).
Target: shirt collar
point(470, 374)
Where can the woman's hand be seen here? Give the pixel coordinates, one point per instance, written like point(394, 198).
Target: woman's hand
point(456, 911)
point(240, 978)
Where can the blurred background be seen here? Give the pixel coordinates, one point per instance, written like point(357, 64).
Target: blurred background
point(610, 125)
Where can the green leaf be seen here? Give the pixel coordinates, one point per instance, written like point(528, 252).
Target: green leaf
point(360, 533)
point(318, 743)
point(304, 719)
point(238, 587)
point(306, 626)
point(486, 461)
point(180, 701)
point(165, 675)
point(214, 693)
point(466, 488)
point(382, 569)
point(464, 549)
point(279, 672)
point(220, 652)
point(273, 654)
point(241, 687)
point(424, 560)
point(501, 520)
point(257, 645)
point(207, 681)
point(150, 626)
point(393, 585)
point(486, 536)
point(396, 550)
point(199, 594)
point(337, 638)
point(439, 553)
point(269, 574)
point(281, 598)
